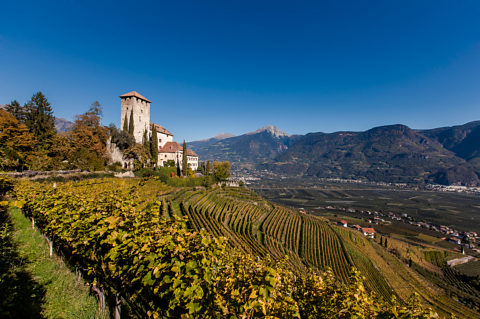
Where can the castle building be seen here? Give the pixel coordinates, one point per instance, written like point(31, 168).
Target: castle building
point(134, 105)
point(163, 135)
point(172, 151)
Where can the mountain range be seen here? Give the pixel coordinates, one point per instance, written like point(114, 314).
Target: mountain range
point(62, 125)
point(393, 153)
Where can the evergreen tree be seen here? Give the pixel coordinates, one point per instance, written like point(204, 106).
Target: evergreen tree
point(154, 146)
point(16, 110)
point(40, 120)
point(386, 243)
point(125, 123)
point(179, 173)
point(381, 241)
point(146, 142)
point(184, 159)
point(207, 170)
point(130, 124)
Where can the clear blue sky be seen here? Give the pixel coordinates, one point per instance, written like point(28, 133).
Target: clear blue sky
point(234, 66)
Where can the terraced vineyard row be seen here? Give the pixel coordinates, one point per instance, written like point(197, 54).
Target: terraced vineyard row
point(261, 228)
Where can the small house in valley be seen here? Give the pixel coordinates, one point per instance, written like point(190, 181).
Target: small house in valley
point(342, 223)
point(368, 232)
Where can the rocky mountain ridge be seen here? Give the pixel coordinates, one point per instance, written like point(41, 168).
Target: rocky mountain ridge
point(393, 153)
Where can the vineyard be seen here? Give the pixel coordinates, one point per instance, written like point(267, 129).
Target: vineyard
point(158, 251)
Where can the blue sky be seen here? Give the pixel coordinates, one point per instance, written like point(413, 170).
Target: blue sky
point(234, 66)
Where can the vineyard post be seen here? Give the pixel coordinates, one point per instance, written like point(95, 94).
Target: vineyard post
point(50, 245)
point(118, 306)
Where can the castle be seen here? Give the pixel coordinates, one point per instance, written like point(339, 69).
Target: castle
point(135, 106)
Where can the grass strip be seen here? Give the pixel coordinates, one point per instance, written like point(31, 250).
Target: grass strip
point(62, 294)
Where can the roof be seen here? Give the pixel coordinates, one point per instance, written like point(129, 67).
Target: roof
point(342, 221)
point(368, 230)
point(191, 153)
point(170, 147)
point(173, 147)
point(160, 129)
point(135, 94)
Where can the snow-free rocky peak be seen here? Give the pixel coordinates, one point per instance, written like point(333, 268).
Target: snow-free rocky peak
point(275, 131)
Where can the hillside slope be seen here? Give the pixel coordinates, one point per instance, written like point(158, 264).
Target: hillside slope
point(262, 228)
point(251, 148)
point(392, 153)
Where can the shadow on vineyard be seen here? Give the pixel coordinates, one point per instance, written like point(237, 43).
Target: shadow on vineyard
point(20, 295)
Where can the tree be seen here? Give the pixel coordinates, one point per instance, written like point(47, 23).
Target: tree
point(122, 139)
point(169, 163)
point(201, 168)
point(207, 170)
point(138, 154)
point(16, 110)
point(130, 124)
point(386, 243)
point(154, 146)
point(40, 121)
point(184, 159)
point(89, 139)
point(17, 144)
point(61, 152)
point(146, 142)
point(221, 170)
point(179, 172)
point(125, 123)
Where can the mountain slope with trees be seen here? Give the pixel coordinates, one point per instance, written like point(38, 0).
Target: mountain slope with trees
point(393, 153)
point(252, 148)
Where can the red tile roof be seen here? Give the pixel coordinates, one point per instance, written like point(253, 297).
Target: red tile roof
point(160, 129)
point(135, 94)
point(342, 222)
point(191, 153)
point(172, 147)
point(368, 230)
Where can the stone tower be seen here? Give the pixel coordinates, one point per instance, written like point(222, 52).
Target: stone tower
point(141, 114)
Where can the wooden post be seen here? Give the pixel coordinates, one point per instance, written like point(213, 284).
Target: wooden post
point(50, 245)
point(118, 306)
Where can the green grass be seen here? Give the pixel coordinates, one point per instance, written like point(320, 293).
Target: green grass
point(61, 294)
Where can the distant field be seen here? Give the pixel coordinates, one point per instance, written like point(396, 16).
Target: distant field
point(453, 209)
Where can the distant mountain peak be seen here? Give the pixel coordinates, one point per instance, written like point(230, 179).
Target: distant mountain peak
point(62, 125)
point(275, 131)
point(218, 137)
point(223, 136)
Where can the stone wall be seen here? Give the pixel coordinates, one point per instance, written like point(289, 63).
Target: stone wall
point(116, 155)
